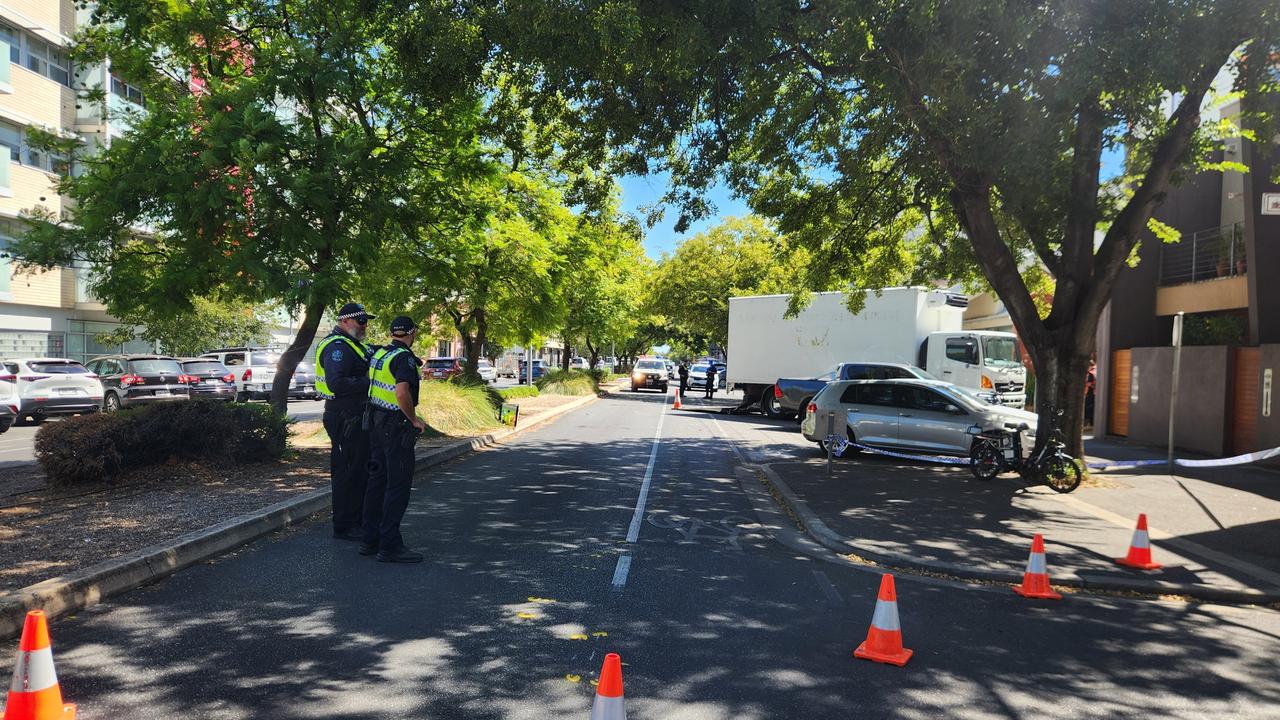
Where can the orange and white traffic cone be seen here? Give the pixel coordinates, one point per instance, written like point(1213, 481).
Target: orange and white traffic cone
point(1140, 548)
point(1035, 581)
point(677, 405)
point(609, 704)
point(34, 693)
point(884, 639)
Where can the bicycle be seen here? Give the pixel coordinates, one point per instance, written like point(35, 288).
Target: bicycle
point(997, 451)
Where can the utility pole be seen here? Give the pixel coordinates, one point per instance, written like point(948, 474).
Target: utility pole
point(1173, 395)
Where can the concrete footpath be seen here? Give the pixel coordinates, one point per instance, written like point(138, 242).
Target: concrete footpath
point(1213, 530)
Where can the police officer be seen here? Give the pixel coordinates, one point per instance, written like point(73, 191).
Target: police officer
point(394, 426)
point(342, 378)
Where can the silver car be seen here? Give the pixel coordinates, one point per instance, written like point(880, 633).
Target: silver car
point(928, 417)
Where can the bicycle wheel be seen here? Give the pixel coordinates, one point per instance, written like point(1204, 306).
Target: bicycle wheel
point(1062, 473)
point(984, 460)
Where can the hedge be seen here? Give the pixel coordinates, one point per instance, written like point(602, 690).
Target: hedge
point(518, 391)
point(101, 448)
point(458, 409)
point(568, 382)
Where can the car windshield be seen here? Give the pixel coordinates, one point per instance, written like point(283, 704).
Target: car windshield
point(650, 365)
point(304, 367)
point(440, 363)
point(699, 368)
point(205, 367)
point(962, 396)
point(978, 396)
point(59, 368)
point(261, 358)
point(1000, 351)
point(156, 367)
point(485, 364)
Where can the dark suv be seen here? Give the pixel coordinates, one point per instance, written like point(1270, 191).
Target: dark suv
point(209, 379)
point(129, 380)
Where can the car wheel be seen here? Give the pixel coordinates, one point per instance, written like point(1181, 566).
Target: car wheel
point(111, 403)
point(242, 397)
point(769, 404)
point(848, 433)
point(5, 424)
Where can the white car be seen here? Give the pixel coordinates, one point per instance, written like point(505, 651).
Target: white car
point(44, 387)
point(578, 364)
point(488, 372)
point(254, 368)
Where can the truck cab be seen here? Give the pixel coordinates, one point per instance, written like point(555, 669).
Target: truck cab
point(983, 360)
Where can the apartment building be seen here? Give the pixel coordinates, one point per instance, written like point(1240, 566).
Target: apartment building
point(47, 312)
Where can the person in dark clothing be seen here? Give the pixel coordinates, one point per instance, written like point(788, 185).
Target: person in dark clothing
point(711, 382)
point(683, 372)
point(394, 427)
point(342, 378)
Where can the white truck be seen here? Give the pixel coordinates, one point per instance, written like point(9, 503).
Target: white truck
point(909, 325)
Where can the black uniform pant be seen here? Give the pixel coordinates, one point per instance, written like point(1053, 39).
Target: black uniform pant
point(710, 389)
point(390, 479)
point(348, 468)
point(684, 385)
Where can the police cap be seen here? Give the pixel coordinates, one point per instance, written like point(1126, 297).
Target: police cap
point(353, 310)
point(403, 325)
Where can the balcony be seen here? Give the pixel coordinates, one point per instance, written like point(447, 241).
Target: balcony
point(1206, 272)
point(1206, 255)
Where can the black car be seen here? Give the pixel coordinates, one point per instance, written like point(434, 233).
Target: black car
point(8, 416)
point(209, 379)
point(304, 383)
point(129, 380)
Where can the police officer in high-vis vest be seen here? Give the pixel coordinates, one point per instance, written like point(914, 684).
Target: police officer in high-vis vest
point(342, 378)
point(394, 427)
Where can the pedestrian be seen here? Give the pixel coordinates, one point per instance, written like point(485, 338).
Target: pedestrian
point(394, 427)
point(342, 379)
point(711, 381)
point(683, 372)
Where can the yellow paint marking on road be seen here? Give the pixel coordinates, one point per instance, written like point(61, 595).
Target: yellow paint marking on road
point(573, 678)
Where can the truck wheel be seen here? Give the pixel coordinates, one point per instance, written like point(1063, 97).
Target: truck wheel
point(769, 404)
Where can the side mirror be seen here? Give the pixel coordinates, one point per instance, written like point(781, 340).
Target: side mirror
point(973, 430)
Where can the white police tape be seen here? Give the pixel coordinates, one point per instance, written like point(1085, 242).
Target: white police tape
point(841, 445)
point(1215, 462)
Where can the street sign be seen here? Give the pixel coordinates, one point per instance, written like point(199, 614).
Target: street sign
point(1271, 203)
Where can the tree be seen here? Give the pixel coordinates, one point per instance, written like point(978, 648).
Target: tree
point(603, 289)
point(279, 150)
point(741, 256)
point(905, 139)
point(208, 324)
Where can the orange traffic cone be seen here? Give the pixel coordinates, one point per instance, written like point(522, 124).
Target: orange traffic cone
point(1035, 581)
point(1140, 548)
point(884, 639)
point(34, 693)
point(677, 405)
point(609, 704)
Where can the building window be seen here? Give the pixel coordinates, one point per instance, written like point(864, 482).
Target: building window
point(48, 60)
point(442, 348)
point(126, 91)
point(14, 37)
point(14, 138)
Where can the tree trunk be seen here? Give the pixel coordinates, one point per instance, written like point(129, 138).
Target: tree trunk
point(566, 354)
point(293, 355)
point(1062, 369)
point(595, 354)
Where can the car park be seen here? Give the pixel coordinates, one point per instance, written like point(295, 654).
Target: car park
point(649, 374)
point(212, 379)
point(920, 416)
point(488, 372)
point(254, 368)
point(45, 387)
point(441, 368)
point(130, 380)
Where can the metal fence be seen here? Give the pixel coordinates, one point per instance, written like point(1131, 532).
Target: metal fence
point(1208, 254)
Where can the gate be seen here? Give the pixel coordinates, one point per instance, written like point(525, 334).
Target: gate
point(1246, 392)
point(1121, 364)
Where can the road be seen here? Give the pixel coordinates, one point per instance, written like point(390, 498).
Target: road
point(629, 527)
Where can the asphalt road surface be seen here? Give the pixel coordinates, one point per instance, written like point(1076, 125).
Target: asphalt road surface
point(628, 527)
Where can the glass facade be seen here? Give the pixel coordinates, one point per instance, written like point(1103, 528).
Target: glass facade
point(82, 341)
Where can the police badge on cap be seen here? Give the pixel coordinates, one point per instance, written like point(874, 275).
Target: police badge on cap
point(403, 325)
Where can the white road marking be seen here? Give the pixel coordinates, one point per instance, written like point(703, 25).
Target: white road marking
point(620, 572)
point(633, 532)
point(828, 588)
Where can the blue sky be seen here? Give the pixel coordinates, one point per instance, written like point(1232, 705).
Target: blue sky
point(641, 190)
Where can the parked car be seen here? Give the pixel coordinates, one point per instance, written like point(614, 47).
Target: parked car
point(254, 368)
point(213, 381)
point(441, 368)
point(578, 363)
point(304, 382)
point(649, 374)
point(921, 416)
point(45, 387)
point(698, 374)
point(488, 372)
point(791, 396)
point(8, 399)
point(130, 380)
point(539, 369)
